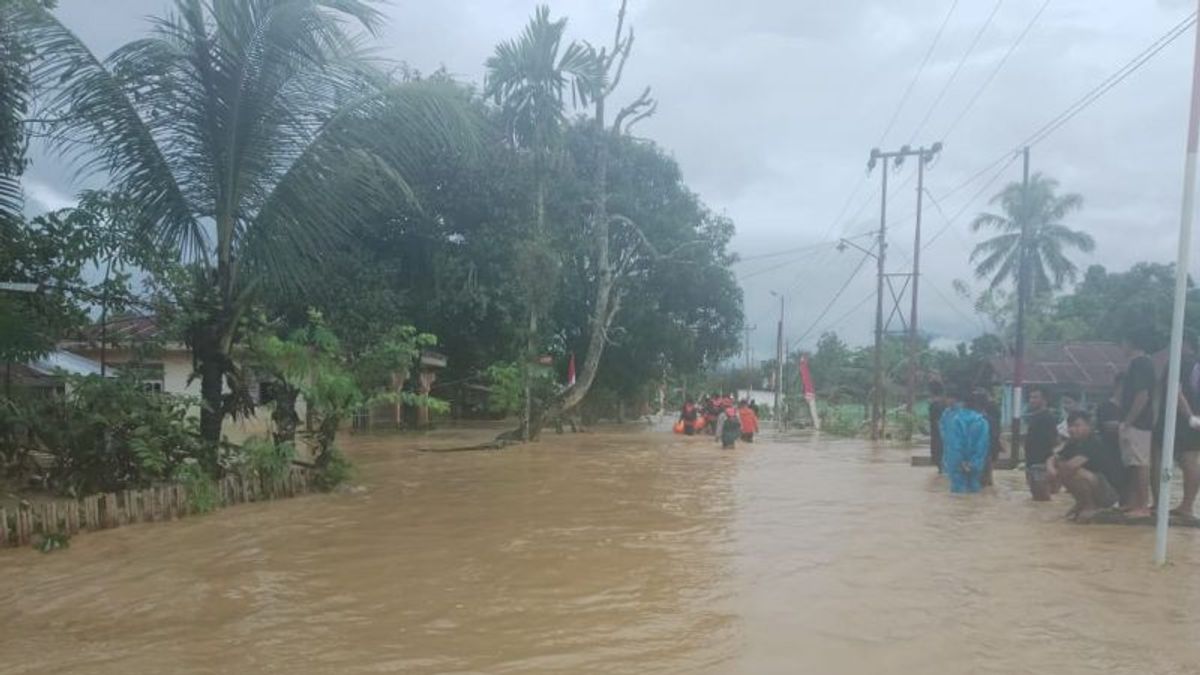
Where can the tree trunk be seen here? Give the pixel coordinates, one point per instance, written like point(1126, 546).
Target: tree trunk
point(284, 415)
point(210, 363)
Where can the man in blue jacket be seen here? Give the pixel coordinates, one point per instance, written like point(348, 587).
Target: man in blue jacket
point(966, 440)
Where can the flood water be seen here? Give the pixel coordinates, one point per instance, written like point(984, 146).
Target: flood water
point(613, 552)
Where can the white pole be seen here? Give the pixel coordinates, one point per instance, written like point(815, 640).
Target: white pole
point(1181, 278)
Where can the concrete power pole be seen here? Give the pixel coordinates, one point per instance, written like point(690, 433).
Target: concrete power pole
point(1022, 298)
point(896, 158)
point(779, 366)
point(914, 349)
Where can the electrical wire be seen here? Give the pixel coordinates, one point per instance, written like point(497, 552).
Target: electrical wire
point(996, 70)
point(937, 37)
point(954, 74)
point(836, 297)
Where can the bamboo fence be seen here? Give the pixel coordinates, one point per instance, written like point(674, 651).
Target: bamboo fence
point(26, 523)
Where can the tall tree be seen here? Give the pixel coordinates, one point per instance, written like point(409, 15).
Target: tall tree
point(618, 244)
point(529, 78)
point(251, 136)
point(1047, 241)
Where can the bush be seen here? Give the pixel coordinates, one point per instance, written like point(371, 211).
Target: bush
point(109, 434)
point(202, 492)
point(841, 422)
point(264, 459)
point(333, 470)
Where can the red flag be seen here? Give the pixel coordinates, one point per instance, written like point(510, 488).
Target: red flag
point(809, 392)
point(571, 371)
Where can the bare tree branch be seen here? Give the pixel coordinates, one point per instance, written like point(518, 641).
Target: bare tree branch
point(637, 107)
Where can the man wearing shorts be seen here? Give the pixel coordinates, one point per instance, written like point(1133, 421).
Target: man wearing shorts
point(1088, 468)
point(1041, 437)
point(1137, 425)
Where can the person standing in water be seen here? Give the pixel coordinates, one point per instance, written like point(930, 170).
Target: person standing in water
point(749, 421)
point(729, 427)
point(1137, 424)
point(689, 415)
point(937, 406)
point(967, 441)
point(1041, 438)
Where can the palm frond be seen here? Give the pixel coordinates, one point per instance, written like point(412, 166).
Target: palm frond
point(99, 126)
point(354, 172)
point(991, 221)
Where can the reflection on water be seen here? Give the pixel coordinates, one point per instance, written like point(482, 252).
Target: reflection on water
point(616, 552)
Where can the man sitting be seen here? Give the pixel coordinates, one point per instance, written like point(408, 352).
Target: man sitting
point(1089, 469)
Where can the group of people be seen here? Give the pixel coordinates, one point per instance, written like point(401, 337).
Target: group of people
point(1104, 458)
point(719, 416)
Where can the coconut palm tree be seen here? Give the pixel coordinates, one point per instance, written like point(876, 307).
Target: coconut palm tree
point(530, 78)
point(251, 135)
point(1046, 242)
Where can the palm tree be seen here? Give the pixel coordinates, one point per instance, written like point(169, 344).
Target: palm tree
point(529, 78)
point(1045, 244)
point(251, 135)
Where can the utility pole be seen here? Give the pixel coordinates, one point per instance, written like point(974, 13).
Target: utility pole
point(880, 254)
point(779, 366)
point(914, 349)
point(897, 158)
point(1022, 298)
point(1181, 288)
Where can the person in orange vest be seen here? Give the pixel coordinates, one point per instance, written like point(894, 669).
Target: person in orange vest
point(749, 421)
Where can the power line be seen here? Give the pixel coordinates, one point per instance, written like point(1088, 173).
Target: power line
point(995, 71)
point(892, 122)
point(1113, 80)
point(835, 298)
point(1080, 104)
point(954, 74)
point(916, 76)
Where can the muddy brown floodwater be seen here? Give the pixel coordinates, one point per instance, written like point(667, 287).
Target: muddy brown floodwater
point(613, 552)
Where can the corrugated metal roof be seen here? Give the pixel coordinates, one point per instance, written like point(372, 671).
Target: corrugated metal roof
point(59, 361)
point(1084, 365)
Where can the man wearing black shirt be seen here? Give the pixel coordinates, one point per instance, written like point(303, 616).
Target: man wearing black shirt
point(1087, 468)
point(1137, 424)
point(1040, 441)
point(937, 405)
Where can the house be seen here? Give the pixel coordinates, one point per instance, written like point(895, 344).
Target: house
point(163, 364)
point(1084, 370)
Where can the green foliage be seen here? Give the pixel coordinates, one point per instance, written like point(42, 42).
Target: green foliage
point(902, 425)
point(48, 543)
point(507, 392)
point(202, 493)
point(264, 459)
point(842, 421)
point(111, 434)
point(335, 470)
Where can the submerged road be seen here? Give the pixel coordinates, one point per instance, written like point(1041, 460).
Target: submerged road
point(613, 552)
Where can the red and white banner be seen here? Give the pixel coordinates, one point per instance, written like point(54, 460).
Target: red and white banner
point(571, 371)
point(805, 376)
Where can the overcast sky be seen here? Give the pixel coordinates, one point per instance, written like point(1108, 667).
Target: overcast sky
point(772, 106)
